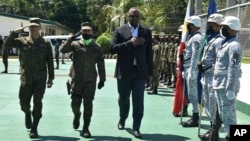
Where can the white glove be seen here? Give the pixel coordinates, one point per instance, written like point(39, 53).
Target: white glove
point(191, 74)
point(183, 74)
point(230, 95)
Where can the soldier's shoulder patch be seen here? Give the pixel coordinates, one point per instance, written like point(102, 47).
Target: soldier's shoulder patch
point(236, 58)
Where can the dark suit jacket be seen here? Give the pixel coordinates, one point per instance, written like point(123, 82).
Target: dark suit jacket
point(122, 46)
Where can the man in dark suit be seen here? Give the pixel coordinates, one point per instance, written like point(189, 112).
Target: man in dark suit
point(133, 45)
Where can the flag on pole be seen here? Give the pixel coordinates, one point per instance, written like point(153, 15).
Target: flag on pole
point(178, 98)
point(212, 8)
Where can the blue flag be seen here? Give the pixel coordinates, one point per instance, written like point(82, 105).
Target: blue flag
point(212, 8)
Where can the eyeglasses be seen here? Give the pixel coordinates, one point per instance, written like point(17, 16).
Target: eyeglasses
point(133, 16)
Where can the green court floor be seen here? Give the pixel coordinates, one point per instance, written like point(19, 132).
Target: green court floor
point(56, 124)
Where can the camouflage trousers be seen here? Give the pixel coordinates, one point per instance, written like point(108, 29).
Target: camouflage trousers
point(192, 91)
point(173, 70)
point(26, 91)
point(227, 110)
point(208, 94)
point(155, 80)
point(83, 92)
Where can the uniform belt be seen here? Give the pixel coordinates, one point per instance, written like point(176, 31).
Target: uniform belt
point(187, 59)
point(206, 68)
point(220, 72)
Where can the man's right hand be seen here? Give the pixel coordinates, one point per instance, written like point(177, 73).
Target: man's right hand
point(76, 35)
point(19, 29)
point(137, 41)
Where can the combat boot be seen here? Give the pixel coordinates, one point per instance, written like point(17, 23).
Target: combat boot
point(76, 121)
point(148, 84)
point(154, 91)
point(33, 132)
point(150, 88)
point(85, 131)
point(214, 136)
point(206, 136)
point(174, 83)
point(193, 122)
point(5, 71)
point(28, 120)
point(168, 82)
point(184, 112)
point(161, 76)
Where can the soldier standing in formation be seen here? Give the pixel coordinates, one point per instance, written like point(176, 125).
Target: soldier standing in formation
point(162, 60)
point(171, 60)
point(156, 64)
point(87, 54)
point(5, 54)
point(206, 68)
point(227, 71)
point(36, 60)
point(190, 60)
point(173, 55)
point(57, 45)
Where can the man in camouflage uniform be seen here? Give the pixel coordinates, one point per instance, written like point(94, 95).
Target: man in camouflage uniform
point(36, 60)
point(162, 47)
point(156, 64)
point(173, 57)
point(57, 45)
point(206, 69)
point(168, 46)
point(227, 71)
point(191, 56)
point(87, 54)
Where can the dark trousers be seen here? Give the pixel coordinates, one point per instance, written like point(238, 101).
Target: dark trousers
point(137, 86)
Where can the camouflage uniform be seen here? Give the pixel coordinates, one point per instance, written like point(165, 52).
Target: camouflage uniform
point(190, 60)
point(57, 45)
point(35, 58)
point(156, 66)
point(208, 60)
point(227, 72)
point(168, 75)
point(5, 55)
point(172, 58)
point(84, 74)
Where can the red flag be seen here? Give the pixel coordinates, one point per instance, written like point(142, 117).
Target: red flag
point(178, 98)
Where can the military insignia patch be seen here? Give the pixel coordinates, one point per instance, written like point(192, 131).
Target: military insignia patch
point(236, 59)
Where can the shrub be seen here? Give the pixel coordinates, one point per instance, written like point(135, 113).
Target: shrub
point(104, 42)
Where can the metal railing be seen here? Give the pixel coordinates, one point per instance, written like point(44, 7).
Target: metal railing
point(241, 11)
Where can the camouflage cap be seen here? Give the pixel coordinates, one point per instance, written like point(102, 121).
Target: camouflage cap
point(86, 25)
point(155, 35)
point(34, 22)
point(162, 34)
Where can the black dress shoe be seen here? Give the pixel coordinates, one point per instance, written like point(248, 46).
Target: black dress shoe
point(137, 134)
point(86, 134)
point(120, 126)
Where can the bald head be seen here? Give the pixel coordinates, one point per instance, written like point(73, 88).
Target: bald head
point(134, 16)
